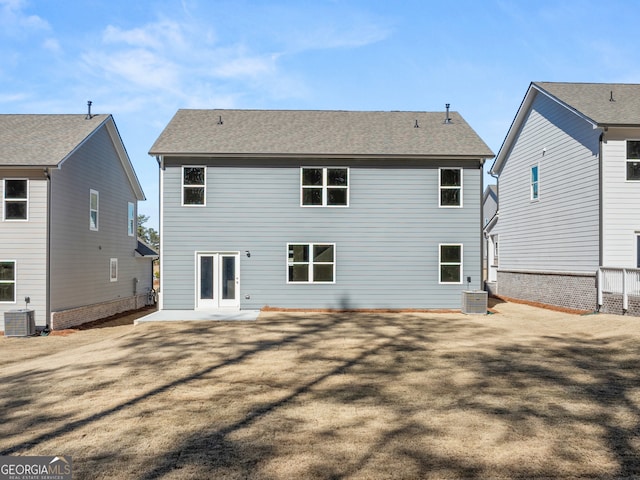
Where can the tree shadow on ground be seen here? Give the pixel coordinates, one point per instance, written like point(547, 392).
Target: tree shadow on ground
point(355, 396)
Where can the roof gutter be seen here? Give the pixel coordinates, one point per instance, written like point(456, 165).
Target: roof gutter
point(37, 167)
point(482, 157)
point(605, 126)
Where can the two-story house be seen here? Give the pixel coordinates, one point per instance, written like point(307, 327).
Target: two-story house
point(569, 193)
point(319, 209)
point(68, 226)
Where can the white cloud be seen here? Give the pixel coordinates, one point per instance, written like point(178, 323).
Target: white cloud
point(338, 36)
point(13, 97)
point(137, 66)
point(52, 45)
point(247, 66)
point(183, 59)
point(138, 37)
point(14, 20)
point(321, 27)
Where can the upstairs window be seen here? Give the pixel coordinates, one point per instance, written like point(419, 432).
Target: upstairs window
point(324, 186)
point(450, 187)
point(193, 186)
point(131, 219)
point(534, 187)
point(93, 210)
point(16, 199)
point(633, 160)
point(7, 282)
point(311, 263)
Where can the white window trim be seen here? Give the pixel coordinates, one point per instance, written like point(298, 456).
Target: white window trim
point(531, 182)
point(131, 219)
point(440, 263)
point(97, 210)
point(311, 263)
point(183, 186)
point(627, 160)
point(325, 187)
point(440, 187)
point(5, 200)
point(15, 282)
point(113, 265)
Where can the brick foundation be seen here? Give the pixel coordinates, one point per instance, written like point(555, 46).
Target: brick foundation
point(576, 291)
point(77, 316)
point(612, 303)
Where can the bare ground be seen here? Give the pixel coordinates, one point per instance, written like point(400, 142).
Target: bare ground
point(523, 393)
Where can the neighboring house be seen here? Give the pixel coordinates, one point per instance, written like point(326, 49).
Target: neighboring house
point(489, 243)
point(68, 230)
point(319, 209)
point(569, 184)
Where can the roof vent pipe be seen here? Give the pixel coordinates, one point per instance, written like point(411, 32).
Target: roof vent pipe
point(447, 119)
point(611, 99)
point(89, 116)
point(220, 122)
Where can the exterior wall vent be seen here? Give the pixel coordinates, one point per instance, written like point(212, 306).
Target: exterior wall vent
point(19, 323)
point(474, 302)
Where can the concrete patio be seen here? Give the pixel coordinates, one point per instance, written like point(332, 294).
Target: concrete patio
point(199, 315)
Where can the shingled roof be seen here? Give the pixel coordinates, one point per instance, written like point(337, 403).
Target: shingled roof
point(601, 104)
point(43, 140)
point(611, 104)
point(319, 133)
point(46, 140)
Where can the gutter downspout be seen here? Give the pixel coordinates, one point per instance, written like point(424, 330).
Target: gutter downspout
point(497, 211)
point(600, 216)
point(47, 308)
point(159, 294)
point(600, 202)
point(482, 275)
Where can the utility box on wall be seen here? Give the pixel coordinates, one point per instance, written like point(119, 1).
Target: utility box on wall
point(19, 323)
point(474, 302)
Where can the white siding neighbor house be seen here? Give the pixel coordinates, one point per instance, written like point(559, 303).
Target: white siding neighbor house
point(68, 226)
point(569, 194)
point(490, 239)
point(319, 209)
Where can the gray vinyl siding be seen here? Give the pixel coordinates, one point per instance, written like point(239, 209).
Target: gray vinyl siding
point(621, 201)
point(386, 240)
point(80, 257)
point(560, 231)
point(26, 244)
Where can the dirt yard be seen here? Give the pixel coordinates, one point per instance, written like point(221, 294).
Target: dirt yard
point(523, 393)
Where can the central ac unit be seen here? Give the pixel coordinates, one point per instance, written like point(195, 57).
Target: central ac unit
point(19, 323)
point(474, 302)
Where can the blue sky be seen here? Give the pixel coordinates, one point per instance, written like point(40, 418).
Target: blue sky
point(142, 60)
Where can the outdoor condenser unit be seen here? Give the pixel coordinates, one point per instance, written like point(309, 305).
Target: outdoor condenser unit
point(474, 302)
point(19, 323)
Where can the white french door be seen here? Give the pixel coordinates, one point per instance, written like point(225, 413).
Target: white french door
point(218, 280)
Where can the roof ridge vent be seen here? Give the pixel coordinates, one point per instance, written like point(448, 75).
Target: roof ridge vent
point(89, 116)
point(447, 118)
